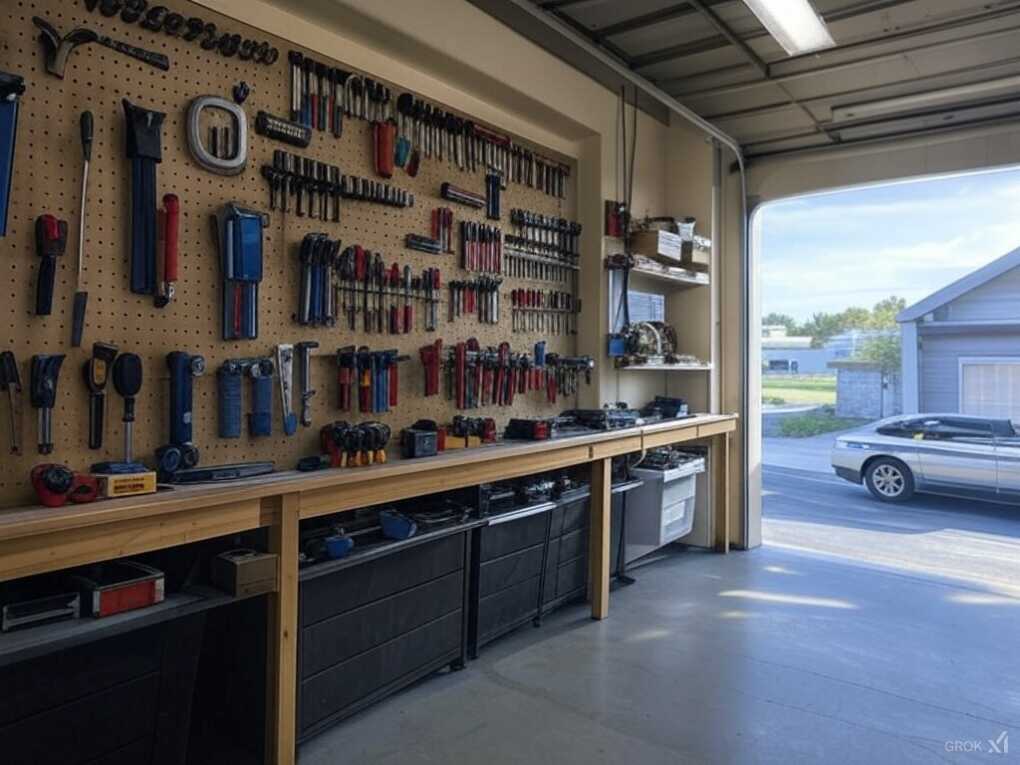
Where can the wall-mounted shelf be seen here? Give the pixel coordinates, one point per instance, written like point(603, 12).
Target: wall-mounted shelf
point(666, 368)
point(683, 280)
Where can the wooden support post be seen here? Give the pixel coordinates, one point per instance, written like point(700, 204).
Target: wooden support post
point(720, 465)
point(601, 533)
point(281, 698)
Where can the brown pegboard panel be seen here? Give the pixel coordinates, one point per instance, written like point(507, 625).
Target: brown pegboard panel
point(47, 180)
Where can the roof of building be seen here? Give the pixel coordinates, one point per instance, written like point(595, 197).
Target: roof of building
point(961, 286)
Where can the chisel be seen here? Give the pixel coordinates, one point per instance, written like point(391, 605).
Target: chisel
point(81, 297)
point(10, 381)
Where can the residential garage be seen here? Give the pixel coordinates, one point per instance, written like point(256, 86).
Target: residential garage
point(356, 454)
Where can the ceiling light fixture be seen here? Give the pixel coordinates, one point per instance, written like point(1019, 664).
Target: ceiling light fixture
point(793, 23)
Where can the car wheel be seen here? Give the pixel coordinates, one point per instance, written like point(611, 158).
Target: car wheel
point(889, 480)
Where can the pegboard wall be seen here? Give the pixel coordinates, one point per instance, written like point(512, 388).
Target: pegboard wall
point(48, 168)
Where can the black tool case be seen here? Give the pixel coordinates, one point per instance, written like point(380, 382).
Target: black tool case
point(380, 619)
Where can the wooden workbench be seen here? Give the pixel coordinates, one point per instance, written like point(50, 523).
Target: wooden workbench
point(36, 539)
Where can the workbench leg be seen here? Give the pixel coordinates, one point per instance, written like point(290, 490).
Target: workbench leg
point(601, 533)
point(281, 699)
point(720, 459)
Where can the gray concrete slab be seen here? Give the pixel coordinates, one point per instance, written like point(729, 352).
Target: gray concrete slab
point(779, 655)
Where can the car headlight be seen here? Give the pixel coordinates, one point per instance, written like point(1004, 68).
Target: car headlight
point(852, 445)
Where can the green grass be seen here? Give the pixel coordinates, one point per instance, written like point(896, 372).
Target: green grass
point(795, 389)
point(815, 424)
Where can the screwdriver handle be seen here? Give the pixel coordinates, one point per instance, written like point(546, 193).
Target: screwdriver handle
point(87, 132)
point(172, 214)
point(97, 409)
point(44, 286)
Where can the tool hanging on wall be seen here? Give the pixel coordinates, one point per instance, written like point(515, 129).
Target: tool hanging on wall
point(58, 49)
point(285, 131)
point(493, 190)
point(423, 244)
point(304, 356)
point(81, 297)
point(50, 244)
point(384, 136)
point(229, 382)
point(481, 247)
point(285, 371)
point(229, 160)
point(96, 373)
point(159, 18)
point(10, 383)
point(461, 196)
point(144, 149)
point(181, 452)
point(43, 378)
point(319, 257)
point(240, 233)
point(167, 245)
point(12, 87)
point(442, 228)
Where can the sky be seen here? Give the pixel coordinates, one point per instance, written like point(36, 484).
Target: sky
point(853, 248)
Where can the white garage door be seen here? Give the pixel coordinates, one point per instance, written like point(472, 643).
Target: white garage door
point(990, 387)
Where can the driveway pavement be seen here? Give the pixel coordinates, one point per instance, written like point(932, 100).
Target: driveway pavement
point(971, 542)
point(800, 453)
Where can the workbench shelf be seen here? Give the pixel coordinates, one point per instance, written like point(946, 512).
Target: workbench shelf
point(31, 642)
point(666, 368)
point(678, 281)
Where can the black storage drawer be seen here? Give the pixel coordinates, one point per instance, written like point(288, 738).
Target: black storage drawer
point(576, 515)
point(334, 594)
point(32, 686)
point(509, 570)
point(332, 692)
point(573, 545)
point(86, 729)
point(505, 538)
point(571, 577)
point(508, 607)
point(341, 637)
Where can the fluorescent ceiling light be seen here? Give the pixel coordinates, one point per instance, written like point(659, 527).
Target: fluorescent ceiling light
point(945, 96)
point(793, 23)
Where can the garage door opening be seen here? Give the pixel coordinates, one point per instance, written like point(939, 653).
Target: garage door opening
point(890, 375)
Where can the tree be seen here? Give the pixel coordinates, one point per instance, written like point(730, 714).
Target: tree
point(883, 315)
point(885, 350)
point(780, 319)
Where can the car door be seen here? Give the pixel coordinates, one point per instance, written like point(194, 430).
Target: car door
point(1007, 453)
point(958, 454)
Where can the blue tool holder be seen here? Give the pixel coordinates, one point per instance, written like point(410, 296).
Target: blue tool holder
point(260, 419)
point(241, 264)
point(228, 383)
point(11, 88)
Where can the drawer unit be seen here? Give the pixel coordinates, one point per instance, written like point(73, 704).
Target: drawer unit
point(507, 590)
point(325, 596)
point(371, 627)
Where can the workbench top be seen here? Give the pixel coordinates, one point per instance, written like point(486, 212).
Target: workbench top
point(264, 492)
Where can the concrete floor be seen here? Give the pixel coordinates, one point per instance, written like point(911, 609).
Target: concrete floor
point(771, 656)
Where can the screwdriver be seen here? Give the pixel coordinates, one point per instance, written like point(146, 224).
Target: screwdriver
point(127, 379)
point(50, 243)
point(10, 381)
point(44, 373)
point(96, 372)
point(81, 297)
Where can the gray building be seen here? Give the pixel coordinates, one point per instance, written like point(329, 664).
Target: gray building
point(961, 345)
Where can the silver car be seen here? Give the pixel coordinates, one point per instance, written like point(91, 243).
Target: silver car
point(951, 454)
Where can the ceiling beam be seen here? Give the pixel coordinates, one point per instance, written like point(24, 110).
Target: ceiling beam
point(668, 13)
point(720, 26)
point(555, 5)
point(609, 46)
point(740, 87)
point(779, 106)
point(840, 14)
point(1004, 120)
